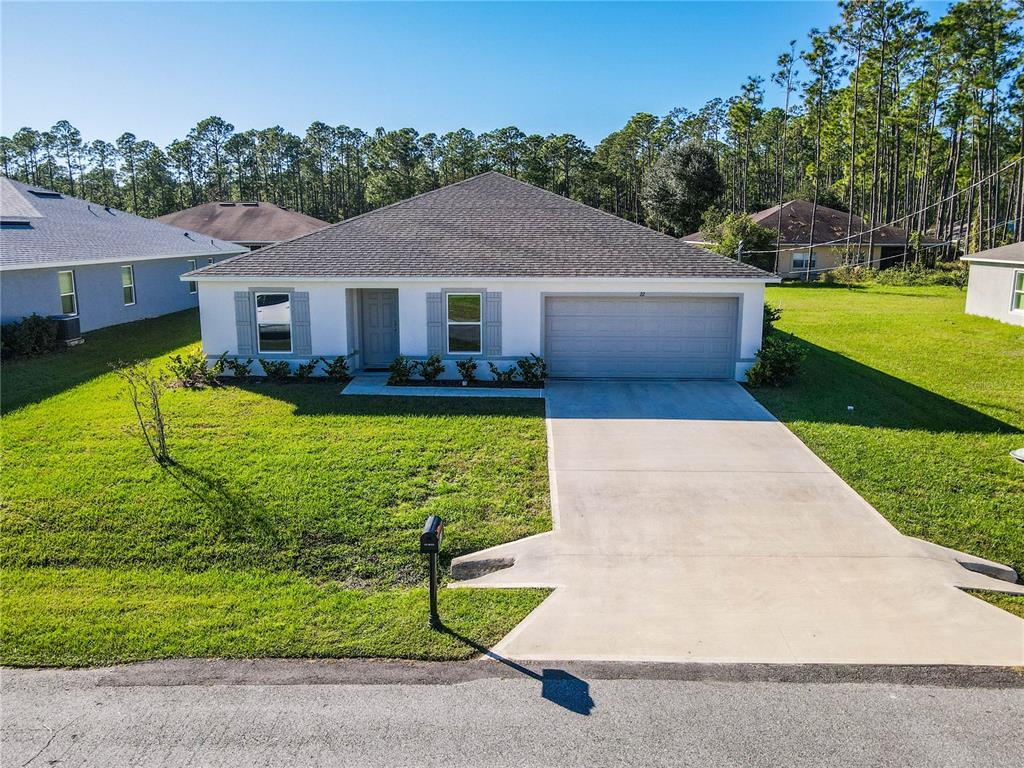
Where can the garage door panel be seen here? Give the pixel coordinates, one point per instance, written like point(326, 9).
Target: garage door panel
point(634, 337)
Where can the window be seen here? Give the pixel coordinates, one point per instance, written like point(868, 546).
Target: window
point(273, 322)
point(1018, 291)
point(128, 284)
point(209, 261)
point(68, 298)
point(800, 260)
point(465, 328)
point(192, 287)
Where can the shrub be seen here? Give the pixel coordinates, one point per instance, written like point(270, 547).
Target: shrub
point(238, 367)
point(192, 371)
point(337, 369)
point(32, 335)
point(848, 274)
point(275, 370)
point(771, 315)
point(144, 389)
point(305, 370)
point(777, 362)
point(467, 369)
point(430, 368)
point(503, 377)
point(401, 370)
point(533, 370)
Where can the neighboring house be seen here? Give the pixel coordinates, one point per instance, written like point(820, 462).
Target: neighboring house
point(796, 253)
point(253, 225)
point(63, 256)
point(494, 269)
point(995, 287)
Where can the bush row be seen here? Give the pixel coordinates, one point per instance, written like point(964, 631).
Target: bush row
point(530, 370)
point(192, 370)
point(32, 335)
point(954, 274)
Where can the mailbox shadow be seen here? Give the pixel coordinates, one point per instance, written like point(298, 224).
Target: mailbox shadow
point(556, 685)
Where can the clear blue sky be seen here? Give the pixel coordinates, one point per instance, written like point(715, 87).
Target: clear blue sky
point(157, 68)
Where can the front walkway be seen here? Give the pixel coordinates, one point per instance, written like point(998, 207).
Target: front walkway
point(690, 525)
point(376, 384)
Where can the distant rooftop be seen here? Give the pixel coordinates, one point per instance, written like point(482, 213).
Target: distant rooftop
point(40, 228)
point(244, 222)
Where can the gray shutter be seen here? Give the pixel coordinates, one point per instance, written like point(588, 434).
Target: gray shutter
point(435, 325)
point(244, 321)
point(302, 344)
point(492, 324)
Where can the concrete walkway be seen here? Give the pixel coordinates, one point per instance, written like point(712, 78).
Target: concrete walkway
point(690, 525)
point(376, 384)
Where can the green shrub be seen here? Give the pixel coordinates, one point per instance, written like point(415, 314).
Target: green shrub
point(32, 335)
point(304, 370)
point(275, 370)
point(503, 377)
point(238, 367)
point(401, 371)
point(467, 369)
point(430, 368)
point(848, 274)
point(777, 362)
point(918, 275)
point(192, 371)
point(771, 315)
point(337, 369)
point(533, 370)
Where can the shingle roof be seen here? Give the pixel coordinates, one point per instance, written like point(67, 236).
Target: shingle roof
point(1008, 254)
point(244, 222)
point(66, 230)
point(829, 225)
point(486, 226)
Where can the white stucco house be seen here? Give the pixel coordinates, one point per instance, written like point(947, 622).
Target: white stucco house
point(495, 269)
point(995, 286)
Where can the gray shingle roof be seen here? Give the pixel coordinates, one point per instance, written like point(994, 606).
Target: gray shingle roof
point(244, 222)
point(486, 226)
point(66, 230)
point(1010, 254)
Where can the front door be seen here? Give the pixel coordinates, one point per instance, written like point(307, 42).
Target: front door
point(379, 320)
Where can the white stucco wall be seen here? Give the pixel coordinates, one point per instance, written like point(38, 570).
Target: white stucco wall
point(522, 316)
point(990, 292)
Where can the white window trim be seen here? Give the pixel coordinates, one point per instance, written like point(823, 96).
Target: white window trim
point(1014, 292)
point(448, 323)
point(193, 286)
point(131, 271)
point(805, 255)
point(291, 326)
point(74, 290)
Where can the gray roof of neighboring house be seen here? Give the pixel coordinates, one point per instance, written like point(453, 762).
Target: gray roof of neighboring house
point(244, 222)
point(1008, 254)
point(488, 226)
point(40, 228)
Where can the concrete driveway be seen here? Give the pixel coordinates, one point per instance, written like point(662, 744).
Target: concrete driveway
point(691, 525)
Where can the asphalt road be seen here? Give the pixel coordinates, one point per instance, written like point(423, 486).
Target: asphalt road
point(315, 714)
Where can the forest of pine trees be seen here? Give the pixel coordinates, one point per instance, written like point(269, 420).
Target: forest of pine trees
point(890, 115)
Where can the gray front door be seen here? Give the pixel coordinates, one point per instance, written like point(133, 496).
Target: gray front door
point(379, 320)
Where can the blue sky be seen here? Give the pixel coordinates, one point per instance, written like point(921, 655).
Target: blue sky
point(157, 68)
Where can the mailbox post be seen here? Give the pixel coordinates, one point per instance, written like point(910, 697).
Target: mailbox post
point(430, 545)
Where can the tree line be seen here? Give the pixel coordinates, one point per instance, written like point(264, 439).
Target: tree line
point(889, 114)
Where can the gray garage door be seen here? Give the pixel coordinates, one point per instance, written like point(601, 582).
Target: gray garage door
point(640, 337)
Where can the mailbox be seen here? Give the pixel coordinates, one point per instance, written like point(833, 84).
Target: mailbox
point(430, 539)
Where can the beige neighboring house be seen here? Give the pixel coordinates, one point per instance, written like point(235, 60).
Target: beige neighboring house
point(254, 225)
point(798, 251)
point(995, 286)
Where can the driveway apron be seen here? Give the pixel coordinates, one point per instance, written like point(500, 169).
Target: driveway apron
point(691, 525)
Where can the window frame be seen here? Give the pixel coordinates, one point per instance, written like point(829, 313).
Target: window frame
point(805, 255)
point(448, 323)
point(193, 286)
point(1018, 274)
point(131, 274)
point(73, 294)
point(256, 324)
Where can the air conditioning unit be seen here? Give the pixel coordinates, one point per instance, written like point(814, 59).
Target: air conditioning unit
point(69, 329)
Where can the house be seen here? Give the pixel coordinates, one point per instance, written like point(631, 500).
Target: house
point(63, 256)
point(796, 254)
point(253, 225)
point(995, 285)
point(495, 269)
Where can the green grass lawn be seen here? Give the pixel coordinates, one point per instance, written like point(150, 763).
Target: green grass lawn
point(287, 527)
point(938, 401)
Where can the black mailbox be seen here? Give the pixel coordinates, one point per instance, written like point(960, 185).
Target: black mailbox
point(430, 539)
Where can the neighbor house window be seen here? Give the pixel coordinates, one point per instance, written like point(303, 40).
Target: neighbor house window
point(192, 287)
point(465, 328)
point(274, 322)
point(209, 261)
point(1018, 291)
point(68, 298)
point(128, 284)
point(800, 260)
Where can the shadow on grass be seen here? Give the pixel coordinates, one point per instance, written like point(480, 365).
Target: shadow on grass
point(829, 382)
point(556, 685)
point(25, 382)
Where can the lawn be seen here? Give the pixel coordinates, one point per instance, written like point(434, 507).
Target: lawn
point(287, 526)
point(938, 403)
